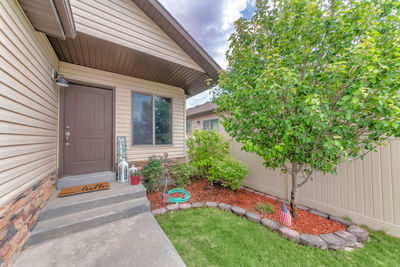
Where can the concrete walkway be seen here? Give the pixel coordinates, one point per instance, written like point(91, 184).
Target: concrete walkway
point(135, 241)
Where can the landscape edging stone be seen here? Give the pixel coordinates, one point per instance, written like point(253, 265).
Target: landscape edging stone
point(336, 240)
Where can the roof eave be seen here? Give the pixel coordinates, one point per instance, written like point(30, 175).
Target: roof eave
point(56, 12)
point(191, 116)
point(175, 31)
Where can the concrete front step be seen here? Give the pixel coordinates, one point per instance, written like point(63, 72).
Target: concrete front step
point(67, 205)
point(78, 221)
point(91, 178)
point(134, 241)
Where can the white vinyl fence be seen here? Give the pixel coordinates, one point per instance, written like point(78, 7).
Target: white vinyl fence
point(367, 191)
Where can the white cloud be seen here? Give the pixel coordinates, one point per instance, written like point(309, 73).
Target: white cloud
point(232, 11)
point(210, 22)
point(198, 99)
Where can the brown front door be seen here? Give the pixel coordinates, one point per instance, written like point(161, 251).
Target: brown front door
point(87, 130)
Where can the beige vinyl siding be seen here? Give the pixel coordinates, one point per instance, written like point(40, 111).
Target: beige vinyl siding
point(123, 23)
point(368, 191)
point(199, 126)
point(124, 86)
point(28, 104)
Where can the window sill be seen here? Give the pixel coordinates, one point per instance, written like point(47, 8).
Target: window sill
point(150, 146)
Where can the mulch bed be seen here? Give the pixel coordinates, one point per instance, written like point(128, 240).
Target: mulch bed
point(306, 222)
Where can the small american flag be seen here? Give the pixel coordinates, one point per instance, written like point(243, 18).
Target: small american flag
point(286, 217)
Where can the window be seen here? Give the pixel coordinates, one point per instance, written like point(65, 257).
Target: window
point(188, 126)
point(142, 119)
point(151, 120)
point(162, 109)
point(214, 125)
point(209, 125)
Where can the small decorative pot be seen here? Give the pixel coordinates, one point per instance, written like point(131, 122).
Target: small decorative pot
point(135, 180)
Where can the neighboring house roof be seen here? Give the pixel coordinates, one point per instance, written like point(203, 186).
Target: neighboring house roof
point(119, 57)
point(199, 110)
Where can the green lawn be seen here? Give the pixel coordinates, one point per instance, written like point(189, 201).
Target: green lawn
point(211, 237)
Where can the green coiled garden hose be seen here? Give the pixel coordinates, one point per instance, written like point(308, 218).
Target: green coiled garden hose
point(168, 198)
point(179, 199)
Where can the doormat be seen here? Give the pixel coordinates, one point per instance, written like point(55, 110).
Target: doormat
point(81, 189)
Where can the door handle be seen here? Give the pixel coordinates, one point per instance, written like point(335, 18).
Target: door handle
point(67, 134)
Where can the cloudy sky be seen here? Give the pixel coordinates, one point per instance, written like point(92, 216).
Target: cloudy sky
point(210, 22)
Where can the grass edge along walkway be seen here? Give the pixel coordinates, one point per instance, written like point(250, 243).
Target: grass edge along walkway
point(211, 237)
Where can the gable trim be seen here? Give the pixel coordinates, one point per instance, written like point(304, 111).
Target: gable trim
point(175, 30)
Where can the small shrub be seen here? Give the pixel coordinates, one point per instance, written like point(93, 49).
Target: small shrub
point(135, 173)
point(204, 149)
point(153, 173)
point(181, 172)
point(228, 172)
point(265, 208)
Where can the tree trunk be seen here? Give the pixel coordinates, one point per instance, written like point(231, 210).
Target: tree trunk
point(332, 8)
point(293, 197)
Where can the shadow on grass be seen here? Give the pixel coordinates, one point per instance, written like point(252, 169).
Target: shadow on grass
point(211, 237)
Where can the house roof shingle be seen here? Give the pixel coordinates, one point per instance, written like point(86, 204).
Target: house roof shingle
point(206, 108)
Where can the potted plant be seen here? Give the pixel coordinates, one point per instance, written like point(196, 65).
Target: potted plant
point(135, 177)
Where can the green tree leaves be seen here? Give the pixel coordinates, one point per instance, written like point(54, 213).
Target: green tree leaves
point(204, 149)
point(306, 87)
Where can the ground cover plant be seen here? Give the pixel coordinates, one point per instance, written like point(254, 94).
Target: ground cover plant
point(211, 237)
point(265, 208)
point(312, 83)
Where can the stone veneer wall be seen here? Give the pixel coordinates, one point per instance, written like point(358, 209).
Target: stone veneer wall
point(20, 215)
